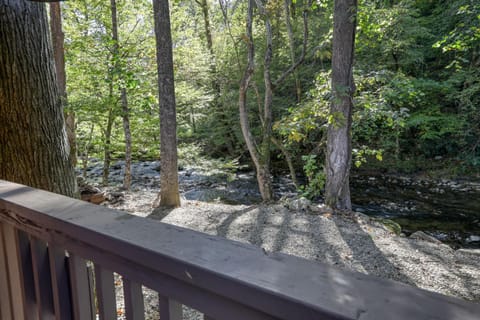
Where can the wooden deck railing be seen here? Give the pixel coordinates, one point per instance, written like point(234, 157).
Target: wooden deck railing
point(58, 256)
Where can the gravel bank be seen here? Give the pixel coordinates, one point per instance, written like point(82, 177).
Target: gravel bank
point(350, 241)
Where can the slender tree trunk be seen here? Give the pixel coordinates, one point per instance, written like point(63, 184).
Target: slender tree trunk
point(127, 178)
point(86, 152)
point(267, 110)
point(59, 55)
point(216, 87)
point(291, 43)
point(278, 144)
point(107, 158)
point(208, 31)
point(107, 154)
point(339, 142)
point(33, 143)
point(169, 193)
point(261, 154)
point(263, 173)
point(288, 160)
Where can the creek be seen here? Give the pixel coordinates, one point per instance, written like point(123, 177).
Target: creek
point(448, 210)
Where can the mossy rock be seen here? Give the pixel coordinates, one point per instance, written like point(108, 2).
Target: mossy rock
point(390, 225)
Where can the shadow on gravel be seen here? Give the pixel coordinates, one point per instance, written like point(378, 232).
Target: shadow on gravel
point(456, 270)
point(160, 213)
point(280, 230)
point(222, 229)
point(369, 255)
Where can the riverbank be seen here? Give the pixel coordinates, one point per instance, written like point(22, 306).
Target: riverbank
point(350, 241)
point(449, 210)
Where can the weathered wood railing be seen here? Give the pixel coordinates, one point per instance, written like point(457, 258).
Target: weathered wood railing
point(58, 255)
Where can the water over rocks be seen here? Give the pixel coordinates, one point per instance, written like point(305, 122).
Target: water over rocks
point(297, 226)
point(447, 210)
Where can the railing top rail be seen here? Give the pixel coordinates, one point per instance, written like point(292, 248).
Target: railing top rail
point(279, 285)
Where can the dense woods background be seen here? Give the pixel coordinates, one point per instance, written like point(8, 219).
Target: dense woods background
point(416, 106)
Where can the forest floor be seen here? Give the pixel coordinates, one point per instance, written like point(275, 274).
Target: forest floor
point(295, 226)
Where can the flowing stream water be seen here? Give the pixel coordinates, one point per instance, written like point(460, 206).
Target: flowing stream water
point(447, 210)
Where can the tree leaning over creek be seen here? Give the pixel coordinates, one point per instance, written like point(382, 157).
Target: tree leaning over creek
point(33, 142)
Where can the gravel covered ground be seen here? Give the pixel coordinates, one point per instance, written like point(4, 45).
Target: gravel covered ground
point(349, 240)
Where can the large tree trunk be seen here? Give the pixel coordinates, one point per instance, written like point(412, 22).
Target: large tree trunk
point(127, 178)
point(169, 194)
point(59, 55)
point(33, 143)
point(339, 141)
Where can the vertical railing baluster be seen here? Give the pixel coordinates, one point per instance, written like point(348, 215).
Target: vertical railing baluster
point(26, 272)
point(5, 298)
point(134, 308)
point(60, 283)
point(169, 309)
point(42, 279)
point(19, 260)
point(105, 288)
point(91, 290)
point(81, 303)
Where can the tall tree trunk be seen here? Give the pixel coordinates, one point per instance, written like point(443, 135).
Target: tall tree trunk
point(216, 88)
point(169, 193)
point(291, 43)
point(339, 141)
point(107, 154)
point(33, 143)
point(127, 178)
point(261, 154)
point(59, 55)
point(262, 168)
point(86, 152)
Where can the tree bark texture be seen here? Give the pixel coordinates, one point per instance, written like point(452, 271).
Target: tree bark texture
point(33, 143)
point(127, 178)
point(291, 43)
point(216, 104)
point(339, 142)
point(263, 173)
point(59, 56)
point(107, 153)
point(262, 168)
point(169, 193)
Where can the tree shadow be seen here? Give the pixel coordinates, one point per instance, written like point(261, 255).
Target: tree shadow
point(160, 213)
point(467, 285)
point(223, 228)
point(277, 229)
point(368, 255)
